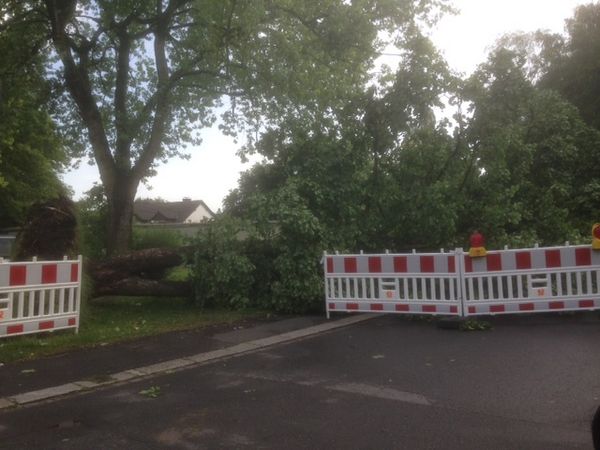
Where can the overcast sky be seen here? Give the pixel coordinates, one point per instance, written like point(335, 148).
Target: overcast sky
point(464, 39)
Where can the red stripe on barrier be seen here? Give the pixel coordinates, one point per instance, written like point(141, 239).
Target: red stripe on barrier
point(468, 264)
point(329, 264)
point(494, 262)
point(400, 264)
point(472, 310)
point(402, 308)
point(429, 308)
point(18, 275)
point(374, 264)
point(46, 325)
point(376, 307)
point(352, 306)
point(49, 273)
point(72, 321)
point(332, 306)
point(586, 303)
point(427, 265)
point(497, 308)
point(13, 329)
point(454, 309)
point(553, 258)
point(583, 256)
point(557, 305)
point(527, 307)
point(451, 264)
point(350, 265)
point(523, 260)
point(74, 272)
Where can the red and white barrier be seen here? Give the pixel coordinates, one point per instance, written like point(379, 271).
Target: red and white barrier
point(502, 282)
point(39, 296)
point(400, 283)
point(532, 280)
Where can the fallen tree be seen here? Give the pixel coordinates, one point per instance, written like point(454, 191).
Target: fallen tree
point(137, 286)
point(139, 273)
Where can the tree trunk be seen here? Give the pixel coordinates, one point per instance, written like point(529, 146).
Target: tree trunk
point(141, 262)
point(136, 286)
point(120, 213)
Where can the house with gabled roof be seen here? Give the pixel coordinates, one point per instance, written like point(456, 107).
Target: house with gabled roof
point(187, 211)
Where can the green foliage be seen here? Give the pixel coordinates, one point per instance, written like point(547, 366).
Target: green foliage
point(31, 152)
point(519, 165)
point(151, 392)
point(93, 228)
point(93, 223)
point(385, 175)
point(147, 237)
point(179, 273)
point(272, 262)
point(296, 245)
point(531, 155)
point(87, 292)
point(361, 182)
point(221, 273)
point(571, 63)
point(475, 325)
point(343, 168)
point(141, 104)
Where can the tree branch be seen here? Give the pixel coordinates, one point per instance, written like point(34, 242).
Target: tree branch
point(152, 149)
point(123, 133)
point(308, 25)
point(77, 81)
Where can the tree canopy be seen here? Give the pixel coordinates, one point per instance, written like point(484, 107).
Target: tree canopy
point(516, 161)
point(141, 79)
point(133, 83)
point(573, 65)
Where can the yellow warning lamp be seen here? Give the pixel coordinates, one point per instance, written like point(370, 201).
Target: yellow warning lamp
point(477, 242)
point(596, 236)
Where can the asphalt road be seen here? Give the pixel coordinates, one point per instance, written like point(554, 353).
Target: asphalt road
point(388, 383)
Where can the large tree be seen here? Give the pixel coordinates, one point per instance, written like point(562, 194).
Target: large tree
point(533, 176)
point(572, 63)
point(143, 78)
point(31, 153)
point(567, 63)
point(384, 175)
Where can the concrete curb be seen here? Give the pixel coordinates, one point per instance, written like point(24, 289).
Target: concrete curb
point(173, 365)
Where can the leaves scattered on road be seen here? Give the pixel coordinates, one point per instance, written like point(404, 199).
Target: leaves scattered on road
point(475, 325)
point(151, 392)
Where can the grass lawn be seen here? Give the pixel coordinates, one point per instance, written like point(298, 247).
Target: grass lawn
point(118, 319)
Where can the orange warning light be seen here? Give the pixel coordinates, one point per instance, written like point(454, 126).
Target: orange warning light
point(477, 245)
point(596, 236)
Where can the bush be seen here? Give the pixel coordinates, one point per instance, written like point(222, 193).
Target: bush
point(298, 281)
point(92, 212)
point(221, 273)
point(299, 287)
point(146, 237)
point(271, 263)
